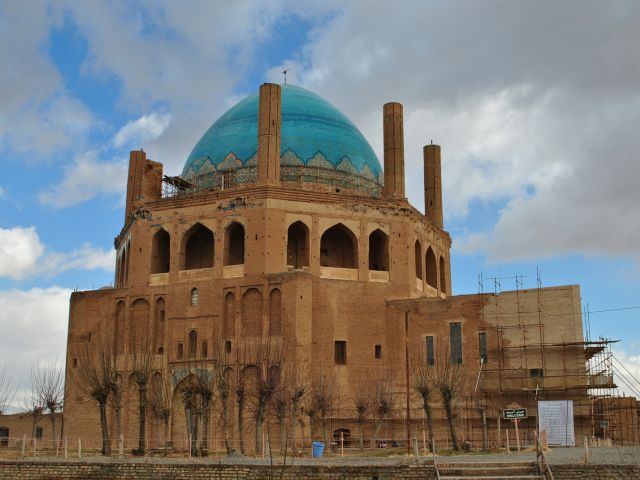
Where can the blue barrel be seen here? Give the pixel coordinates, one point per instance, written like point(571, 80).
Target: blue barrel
point(318, 449)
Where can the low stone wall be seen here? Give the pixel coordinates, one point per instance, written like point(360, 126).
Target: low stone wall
point(595, 472)
point(44, 470)
point(16, 470)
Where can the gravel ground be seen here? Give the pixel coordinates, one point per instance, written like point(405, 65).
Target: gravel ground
point(599, 455)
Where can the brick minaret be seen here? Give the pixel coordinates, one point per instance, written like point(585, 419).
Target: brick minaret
point(433, 185)
point(393, 151)
point(269, 122)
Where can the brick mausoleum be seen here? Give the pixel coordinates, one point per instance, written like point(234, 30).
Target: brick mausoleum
point(284, 225)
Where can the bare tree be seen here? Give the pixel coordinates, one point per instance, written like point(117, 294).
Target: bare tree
point(222, 377)
point(94, 376)
point(161, 402)
point(296, 386)
point(33, 408)
point(422, 383)
point(142, 367)
point(280, 403)
point(382, 402)
point(239, 386)
point(362, 406)
point(47, 384)
point(448, 378)
point(320, 399)
point(6, 392)
point(268, 361)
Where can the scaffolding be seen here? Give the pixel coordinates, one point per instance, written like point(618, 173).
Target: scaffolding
point(531, 360)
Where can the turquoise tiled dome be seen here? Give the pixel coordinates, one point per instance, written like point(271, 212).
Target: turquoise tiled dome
point(314, 133)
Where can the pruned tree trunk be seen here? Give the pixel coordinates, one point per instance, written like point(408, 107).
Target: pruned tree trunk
point(427, 411)
point(259, 428)
point(361, 436)
point(452, 427)
point(485, 432)
point(292, 421)
point(241, 423)
point(53, 429)
point(225, 425)
point(142, 411)
point(106, 444)
point(205, 428)
point(283, 433)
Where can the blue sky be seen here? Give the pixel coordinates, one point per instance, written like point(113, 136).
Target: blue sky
point(536, 110)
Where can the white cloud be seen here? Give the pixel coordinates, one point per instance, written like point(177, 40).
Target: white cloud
point(146, 128)
point(37, 113)
point(20, 248)
point(34, 330)
point(85, 258)
point(534, 108)
point(22, 254)
point(86, 178)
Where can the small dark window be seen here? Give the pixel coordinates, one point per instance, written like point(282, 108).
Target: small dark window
point(180, 351)
point(4, 437)
point(39, 433)
point(431, 357)
point(455, 342)
point(227, 346)
point(75, 363)
point(536, 373)
point(378, 352)
point(204, 350)
point(341, 352)
point(482, 344)
point(160, 351)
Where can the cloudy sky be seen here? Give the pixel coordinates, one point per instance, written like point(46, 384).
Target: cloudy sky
point(536, 106)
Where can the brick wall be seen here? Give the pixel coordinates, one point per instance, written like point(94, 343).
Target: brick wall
point(143, 471)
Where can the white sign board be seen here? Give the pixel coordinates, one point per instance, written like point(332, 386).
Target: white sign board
point(556, 418)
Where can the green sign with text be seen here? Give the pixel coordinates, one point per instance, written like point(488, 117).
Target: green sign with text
point(514, 413)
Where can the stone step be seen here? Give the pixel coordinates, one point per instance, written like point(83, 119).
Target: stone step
point(501, 477)
point(485, 470)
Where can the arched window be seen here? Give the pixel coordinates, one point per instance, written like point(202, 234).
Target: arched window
point(342, 437)
point(252, 313)
point(229, 315)
point(204, 349)
point(180, 352)
point(39, 432)
point(338, 248)
point(418, 260)
point(298, 245)
point(197, 248)
point(122, 275)
point(432, 273)
point(160, 252)
point(378, 251)
point(159, 324)
point(120, 327)
point(193, 343)
point(275, 312)
point(234, 244)
point(443, 276)
point(195, 296)
point(140, 323)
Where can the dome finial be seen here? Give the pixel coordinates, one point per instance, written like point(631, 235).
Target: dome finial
point(284, 72)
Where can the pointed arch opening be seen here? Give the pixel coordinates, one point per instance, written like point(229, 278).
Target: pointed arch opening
point(252, 313)
point(338, 248)
point(443, 276)
point(160, 251)
point(418, 255)
point(378, 251)
point(193, 344)
point(275, 312)
point(140, 325)
point(159, 324)
point(197, 248)
point(431, 268)
point(120, 328)
point(229, 315)
point(298, 245)
point(234, 244)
